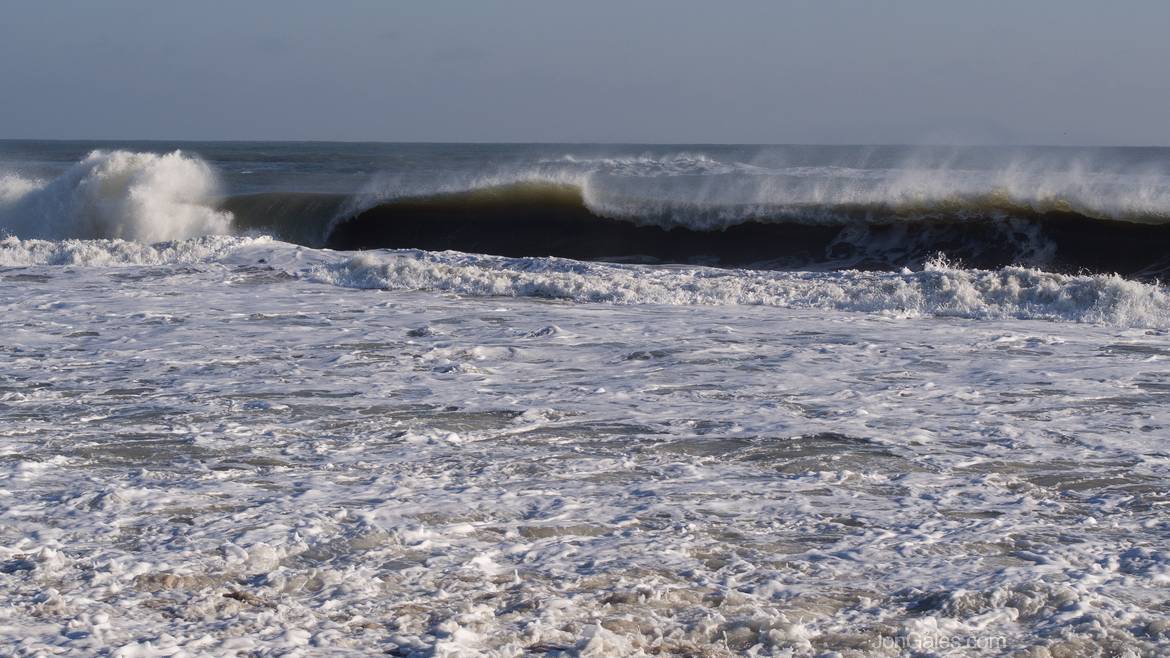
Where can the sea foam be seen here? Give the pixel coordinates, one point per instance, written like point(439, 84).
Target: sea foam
point(939, 289)
point(15, 252)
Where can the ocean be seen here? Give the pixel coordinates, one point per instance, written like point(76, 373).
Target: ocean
point(594, 400)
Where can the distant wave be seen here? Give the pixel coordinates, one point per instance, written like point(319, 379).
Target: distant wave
point(682, 208)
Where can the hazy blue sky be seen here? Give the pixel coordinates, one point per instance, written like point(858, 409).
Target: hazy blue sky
point(821, 71)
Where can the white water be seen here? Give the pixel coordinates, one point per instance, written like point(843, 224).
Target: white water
point(937, 290)
point(203, 456)
point(15, 252)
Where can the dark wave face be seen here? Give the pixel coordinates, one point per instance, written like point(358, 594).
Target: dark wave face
point(301, 217)
point(554, 220)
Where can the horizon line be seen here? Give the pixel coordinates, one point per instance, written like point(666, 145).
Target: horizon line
point(188, 140)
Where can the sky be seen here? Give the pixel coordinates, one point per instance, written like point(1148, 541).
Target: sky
point(1078, 72)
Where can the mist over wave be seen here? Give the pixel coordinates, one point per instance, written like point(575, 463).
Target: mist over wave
point(700, 192)
point(13, 187)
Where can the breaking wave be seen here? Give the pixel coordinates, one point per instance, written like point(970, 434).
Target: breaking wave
point(685, 208)
point(555, 219)
point(145, 197)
